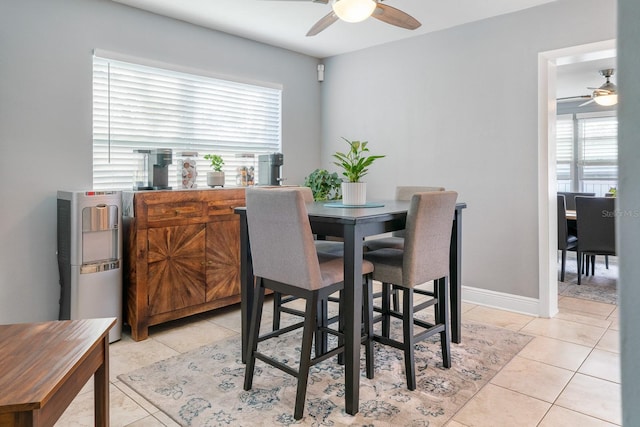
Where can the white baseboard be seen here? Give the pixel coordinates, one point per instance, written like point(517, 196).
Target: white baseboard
point(509, 302)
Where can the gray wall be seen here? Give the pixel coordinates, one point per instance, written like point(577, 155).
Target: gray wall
point(46, 121)
point(458, 109)
point(629, 205)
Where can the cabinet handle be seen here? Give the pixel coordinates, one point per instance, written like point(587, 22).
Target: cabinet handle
point(209, 263)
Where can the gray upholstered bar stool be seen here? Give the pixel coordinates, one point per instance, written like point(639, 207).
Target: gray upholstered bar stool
point(424, 257)
point(323, 247)
point(285, 260)
point(396, 240)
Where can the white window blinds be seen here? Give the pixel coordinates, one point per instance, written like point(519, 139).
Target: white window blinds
point(598, 146)
point(564, 149)
point(587, 152)
point(141, 107)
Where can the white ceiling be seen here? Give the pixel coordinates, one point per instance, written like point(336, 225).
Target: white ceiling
point(284, 23)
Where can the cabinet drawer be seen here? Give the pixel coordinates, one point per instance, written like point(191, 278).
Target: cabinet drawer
point(223, 207)
point(178, 210)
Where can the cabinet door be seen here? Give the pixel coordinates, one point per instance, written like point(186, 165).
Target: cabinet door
point(223, 258)
point(176, 267)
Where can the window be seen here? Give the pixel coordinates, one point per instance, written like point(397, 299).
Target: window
point(564, 152)
point(141, 107)
point(587, 152)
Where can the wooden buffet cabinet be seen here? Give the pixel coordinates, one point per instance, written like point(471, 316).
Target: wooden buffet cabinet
point(181, 254)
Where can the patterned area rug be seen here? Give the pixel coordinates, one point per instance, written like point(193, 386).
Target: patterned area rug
point(601, 287)
point(203, 387)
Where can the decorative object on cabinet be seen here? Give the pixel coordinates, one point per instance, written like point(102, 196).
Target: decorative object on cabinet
point(182, 254)
point(245, 173)
point(215, 177)
point(187, 169)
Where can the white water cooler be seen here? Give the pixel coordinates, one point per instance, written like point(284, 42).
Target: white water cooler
point(90, 256)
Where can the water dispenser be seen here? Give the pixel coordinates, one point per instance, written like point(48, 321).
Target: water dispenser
point(90, 256)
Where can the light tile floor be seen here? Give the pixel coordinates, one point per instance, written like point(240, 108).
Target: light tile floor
point(568, 375)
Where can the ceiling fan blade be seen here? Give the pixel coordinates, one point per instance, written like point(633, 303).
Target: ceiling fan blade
point(396, 17)
point(573, 98)
point(323, 23)
point(586, 103)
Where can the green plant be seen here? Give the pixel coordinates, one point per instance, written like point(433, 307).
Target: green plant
point(613, 191)
point(355, 162)
point(216, 161)
point(324, 185)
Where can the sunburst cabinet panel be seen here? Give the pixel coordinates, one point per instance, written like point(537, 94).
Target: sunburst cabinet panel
point(176, 265)
point(223, 259)
point(182, 254)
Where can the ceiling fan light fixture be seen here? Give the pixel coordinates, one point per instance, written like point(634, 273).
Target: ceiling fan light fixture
point(607, 94)
point(353, 10)
point(606, 100)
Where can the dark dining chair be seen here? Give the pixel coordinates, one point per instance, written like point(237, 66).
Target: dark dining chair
point(424, 258)
point(570, 198)
point(285, 260)
point(566, 241)
point(570, 203)
point(596, 229)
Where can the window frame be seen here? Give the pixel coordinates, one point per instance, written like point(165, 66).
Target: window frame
point(160, 105)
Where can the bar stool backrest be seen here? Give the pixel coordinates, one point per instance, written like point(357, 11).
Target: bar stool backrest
point(428, 237)
point(282, 245)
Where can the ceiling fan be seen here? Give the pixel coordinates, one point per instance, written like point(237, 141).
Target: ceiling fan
point(359, 10)
point(605, 95)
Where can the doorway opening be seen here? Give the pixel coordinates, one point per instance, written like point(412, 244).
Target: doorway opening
point(548, 63)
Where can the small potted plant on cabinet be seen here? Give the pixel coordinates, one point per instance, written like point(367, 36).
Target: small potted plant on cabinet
point(216, 177)
point(355, 164)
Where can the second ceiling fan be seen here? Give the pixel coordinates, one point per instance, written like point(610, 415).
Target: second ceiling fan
point(359, 10)
point(605, 95)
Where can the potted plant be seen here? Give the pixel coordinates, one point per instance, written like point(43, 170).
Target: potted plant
point(355, 164)
point(324, 185)
point(216, 177)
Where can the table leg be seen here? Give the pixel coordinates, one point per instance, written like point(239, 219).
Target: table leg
point(455, 274)
point(101, 388)
point(352, 315)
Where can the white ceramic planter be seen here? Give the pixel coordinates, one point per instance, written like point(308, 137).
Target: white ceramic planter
point(354, 193)
point(215, 179)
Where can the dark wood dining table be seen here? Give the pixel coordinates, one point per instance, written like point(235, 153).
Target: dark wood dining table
point(353, 225)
